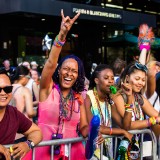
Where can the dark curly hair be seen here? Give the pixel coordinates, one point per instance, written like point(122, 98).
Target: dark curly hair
point(79, 84)
point(96, 73)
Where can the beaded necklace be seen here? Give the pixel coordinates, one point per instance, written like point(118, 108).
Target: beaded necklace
point(66, 105)
point(100, 111)
point(137, 111)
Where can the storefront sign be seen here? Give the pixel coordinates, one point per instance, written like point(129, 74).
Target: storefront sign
point(97, 13)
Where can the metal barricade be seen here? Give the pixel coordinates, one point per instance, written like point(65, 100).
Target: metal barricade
point(69, 142)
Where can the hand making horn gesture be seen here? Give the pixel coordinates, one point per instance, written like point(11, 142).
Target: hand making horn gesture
point(67, 23)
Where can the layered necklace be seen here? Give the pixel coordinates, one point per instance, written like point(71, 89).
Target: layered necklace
point(66, 105)
point(100, 110)
point(137, 111)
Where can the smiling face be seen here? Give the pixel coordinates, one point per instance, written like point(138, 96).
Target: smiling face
point(105, 80)
point(68, 73)
point(137, 79)
point(34, 75)
point(4, 97)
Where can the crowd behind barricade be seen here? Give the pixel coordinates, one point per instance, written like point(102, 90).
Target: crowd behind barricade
point(60, 103)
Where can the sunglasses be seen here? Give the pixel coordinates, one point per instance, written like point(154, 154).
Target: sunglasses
point(141, 66)
point(7, 89)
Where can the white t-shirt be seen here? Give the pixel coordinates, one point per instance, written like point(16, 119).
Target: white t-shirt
point(154, 100)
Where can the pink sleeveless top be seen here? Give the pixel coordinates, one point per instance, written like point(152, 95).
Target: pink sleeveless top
point(48, 120)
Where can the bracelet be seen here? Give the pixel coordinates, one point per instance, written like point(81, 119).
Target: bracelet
point(110, 131)
point(30, 144)
point(128, 105)
point(61, 43)
point(129, 110)
point(147, 47)
point(58, 43)
point(152, 121)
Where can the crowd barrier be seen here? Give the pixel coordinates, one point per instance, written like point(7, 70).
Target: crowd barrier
point(69, 142)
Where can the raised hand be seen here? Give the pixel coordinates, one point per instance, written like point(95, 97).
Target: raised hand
point(126, 88)
point(67, 23)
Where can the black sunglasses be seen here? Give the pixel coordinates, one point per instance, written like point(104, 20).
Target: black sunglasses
point(7, 89)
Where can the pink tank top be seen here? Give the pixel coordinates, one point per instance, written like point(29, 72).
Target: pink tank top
point(48, 120)
point(49, 115)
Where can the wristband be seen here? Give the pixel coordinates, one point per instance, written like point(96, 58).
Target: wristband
point(30, 144)
point(147, 47)
point(128, 105)
point(58, 43)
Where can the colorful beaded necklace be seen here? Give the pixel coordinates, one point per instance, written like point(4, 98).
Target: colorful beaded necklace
point(99, 108)
point(66, 105)
point(138, 111)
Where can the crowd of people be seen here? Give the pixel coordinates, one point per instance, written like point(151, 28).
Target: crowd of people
point(61, 102)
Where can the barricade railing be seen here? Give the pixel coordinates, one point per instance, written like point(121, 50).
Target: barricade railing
point(69, 142)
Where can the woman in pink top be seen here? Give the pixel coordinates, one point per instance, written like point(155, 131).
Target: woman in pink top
point(61, 106)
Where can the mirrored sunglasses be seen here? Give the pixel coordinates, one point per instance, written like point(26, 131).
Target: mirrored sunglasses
point(141, 66)
point(7, 89)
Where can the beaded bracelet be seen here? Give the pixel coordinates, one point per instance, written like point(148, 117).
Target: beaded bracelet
point(129, 110)
point(152, 121)
point(128, 105)
point(58, 43)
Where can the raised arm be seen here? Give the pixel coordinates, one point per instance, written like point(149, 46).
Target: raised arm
point(151, 80)
point(51, 63)
point(146, 37)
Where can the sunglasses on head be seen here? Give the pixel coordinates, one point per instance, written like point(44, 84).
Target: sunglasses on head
point(141, 66)
point(7, 89)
